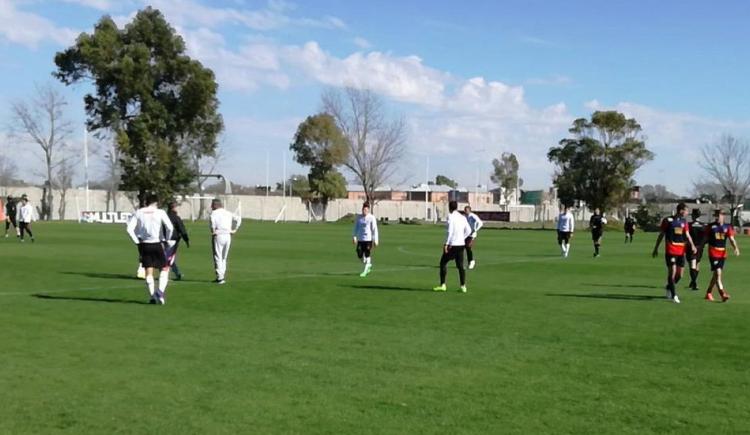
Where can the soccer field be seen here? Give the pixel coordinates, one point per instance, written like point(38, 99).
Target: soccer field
point(297, 342)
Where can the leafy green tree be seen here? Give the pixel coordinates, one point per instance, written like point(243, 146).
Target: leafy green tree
point(160, 104)
point(320, 145)
point(505, 174)
point(442, 180)
point(597, 164)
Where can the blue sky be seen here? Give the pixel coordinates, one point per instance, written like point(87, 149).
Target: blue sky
point(472, 79)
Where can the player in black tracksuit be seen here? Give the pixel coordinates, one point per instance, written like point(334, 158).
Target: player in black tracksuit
point(596, 224)
point(10, 215)
point(698, 233)
point(629, 229)
point(179, 233)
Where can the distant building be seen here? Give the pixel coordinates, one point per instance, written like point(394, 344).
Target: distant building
point(435, 194)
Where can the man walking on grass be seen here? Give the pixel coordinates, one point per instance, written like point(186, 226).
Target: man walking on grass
point(365, 237)
point(179, 233)
point(24, 217)
point(453, 248)
point(10, 216)
point(148, 229)
point(475, 224)
point(716, 236)
point(596, 224)
point(223, 225)
point(565, 227)
point(676, 231)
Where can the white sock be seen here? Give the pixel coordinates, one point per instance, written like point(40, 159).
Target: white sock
point(368, 261)
point(150, 285)
point(163, 280)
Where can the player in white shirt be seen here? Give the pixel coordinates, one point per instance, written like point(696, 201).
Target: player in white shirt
point(223, 225)
point(365, 237)
point(453, 248)
point(24, 217)
point(475, 224)
point(565, 229)
point(149, 229)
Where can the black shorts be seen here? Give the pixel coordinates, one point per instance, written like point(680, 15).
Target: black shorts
point(563, 236)
point(12, 220)
point(364, 249)
point(675, 260)
point(152, 255)
point(689, 256)
point(596, 235)
point(716, 263)
point(455, 253)
point(469, 240)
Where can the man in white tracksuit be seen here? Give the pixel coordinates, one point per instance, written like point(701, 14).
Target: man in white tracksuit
point(565, 227)
point(453, 248)
point(365, 237)
point(149, 229)
point(223, 225)
point(24, 217)
point(475, 224)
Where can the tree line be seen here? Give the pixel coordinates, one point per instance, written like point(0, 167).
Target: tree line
point(156, 111)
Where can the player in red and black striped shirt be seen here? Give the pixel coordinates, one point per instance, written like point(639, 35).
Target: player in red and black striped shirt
point(676, 231)
point(717, 235)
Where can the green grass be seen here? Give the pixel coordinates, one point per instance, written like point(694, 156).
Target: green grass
point(296, 342)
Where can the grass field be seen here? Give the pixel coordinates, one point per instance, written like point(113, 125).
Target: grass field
point(296, 342)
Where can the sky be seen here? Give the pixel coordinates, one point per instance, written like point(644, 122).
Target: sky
point(472, 79)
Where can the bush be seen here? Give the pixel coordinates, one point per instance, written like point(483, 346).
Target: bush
point(648, 218)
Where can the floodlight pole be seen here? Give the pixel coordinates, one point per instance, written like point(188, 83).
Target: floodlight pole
point(86, 165)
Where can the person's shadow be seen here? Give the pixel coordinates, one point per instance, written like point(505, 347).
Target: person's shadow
point(85, 299)
point(385, 287)
point(612, 296)
point(102, 275)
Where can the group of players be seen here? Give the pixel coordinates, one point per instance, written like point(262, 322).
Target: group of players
point(19, 214)
point(158, 234)
point(684, 242)
point(462, 229)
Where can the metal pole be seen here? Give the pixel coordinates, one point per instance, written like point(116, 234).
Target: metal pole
point(426, 188)
point(86, 165)
point(268, 163)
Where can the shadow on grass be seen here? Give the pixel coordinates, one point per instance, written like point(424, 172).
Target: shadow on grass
point(83, 299)
point(103, 275)
point(613, 296)
point(385, 287)
point(624, 286)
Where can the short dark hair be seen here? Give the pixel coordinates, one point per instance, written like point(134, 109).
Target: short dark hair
point(172, 204)
point(216, 201)
point(452, 206)
point(151, 198)
point(468, 207)
point(366, 205)
point(681, 206)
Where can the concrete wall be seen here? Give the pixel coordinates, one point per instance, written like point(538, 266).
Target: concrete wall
point(270, 208)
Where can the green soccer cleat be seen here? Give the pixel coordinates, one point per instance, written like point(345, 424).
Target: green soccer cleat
point(368, 269)
point(440, 288)
point(462, 289)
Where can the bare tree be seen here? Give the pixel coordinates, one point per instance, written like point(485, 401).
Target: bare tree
point(8, 172)
point(727, 163)
point(63, 181)
point(377, 142)
point(113, 175)
point(41, 121)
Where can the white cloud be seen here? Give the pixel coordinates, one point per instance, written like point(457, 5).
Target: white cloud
point(29, 29)
point(362, 43)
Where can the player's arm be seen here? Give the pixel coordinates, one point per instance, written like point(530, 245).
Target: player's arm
point(236, 222)
point(477, 226)
point(130, 228)
point(168, 227)
point(692, 244)
point(183, 231)
point(374, 229)
point(355, 231)
point(451, 231)
point(658, 242)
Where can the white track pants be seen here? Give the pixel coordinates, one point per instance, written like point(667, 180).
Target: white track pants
point(221, 253)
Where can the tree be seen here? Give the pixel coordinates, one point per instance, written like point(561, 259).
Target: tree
point(63, 181)
point(597, 164)
point(8, 172)
point(319, 144)
point(505, 174)
point(41, 121)
point(657, 193)
point(160, 104)
point(376, 141)
point(727, 163)
point(113, 173)
point(442, 180)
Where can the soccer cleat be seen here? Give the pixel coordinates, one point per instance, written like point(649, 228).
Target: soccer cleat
point(472, 264)
point(152, 301)
point(676, 299)
point(724, 296)
point(462, 289)
point(178, 277)
point(440, 288)
point(221, 281)
point(709, 297)
point(693, 286)
point(162, 301)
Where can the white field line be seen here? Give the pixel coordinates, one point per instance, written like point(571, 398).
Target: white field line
point(268, 278)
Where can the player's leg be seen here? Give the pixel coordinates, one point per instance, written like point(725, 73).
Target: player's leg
point(460, 266)
point(469, 245)
point(7, 226)
point(216, 250)
point(163, 267)
point(720, 281)
point(671, 272)
point(444, 260)
point(365, 250)
point(225, 244)
point(150, 284)
point(711, 285)
point(693, 273)
point(28, 231)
